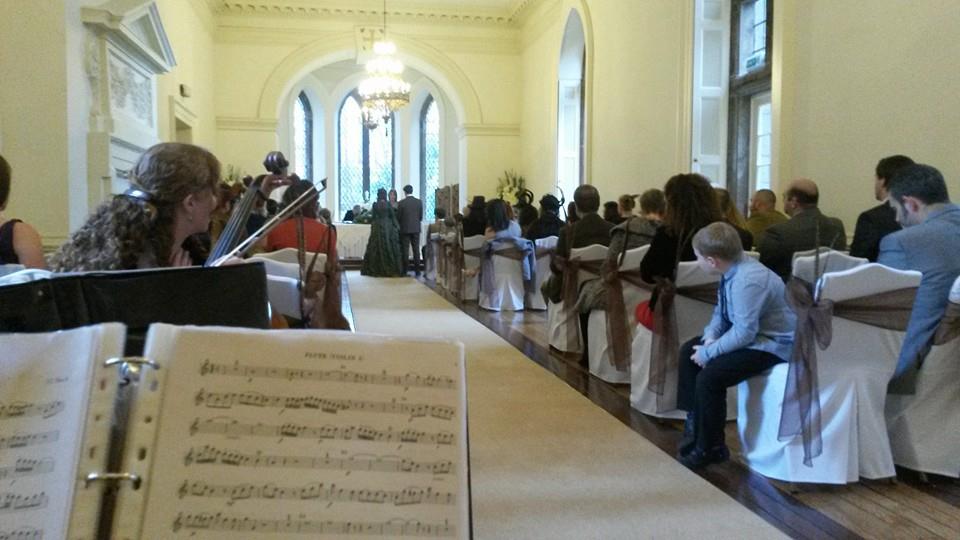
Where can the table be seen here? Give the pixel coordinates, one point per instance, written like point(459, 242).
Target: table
point(352, 239)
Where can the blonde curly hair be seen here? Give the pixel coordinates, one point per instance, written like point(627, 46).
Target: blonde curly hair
point(127, 228)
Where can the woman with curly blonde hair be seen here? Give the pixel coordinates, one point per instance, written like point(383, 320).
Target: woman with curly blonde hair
point(152, 224)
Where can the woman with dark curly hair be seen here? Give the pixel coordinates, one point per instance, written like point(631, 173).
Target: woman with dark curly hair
point(691, 205)
point(152, 224)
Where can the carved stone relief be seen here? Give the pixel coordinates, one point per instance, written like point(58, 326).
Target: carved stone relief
point(131, 91)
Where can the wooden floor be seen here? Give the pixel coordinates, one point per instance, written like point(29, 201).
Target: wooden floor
point(910, 506)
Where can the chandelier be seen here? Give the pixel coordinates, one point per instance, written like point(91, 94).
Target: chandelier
point(384, 90)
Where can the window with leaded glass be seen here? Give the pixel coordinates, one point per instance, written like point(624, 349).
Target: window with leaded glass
point(429, 156)
point(366, 156)
point(303, 137)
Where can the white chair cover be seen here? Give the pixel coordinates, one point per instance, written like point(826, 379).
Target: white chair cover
point(287, 255)
point(598, 346)
point(284, 295)
point(534, 300)
point(282, 279)
point(924, 427)
point(830, 261)
point(852, 376)
point(692, 317)
point(508, 290)
point(470, 262)
point(430, 267)
point(558, 316)
point(277, 267)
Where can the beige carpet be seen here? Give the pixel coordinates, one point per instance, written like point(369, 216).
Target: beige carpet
point(545, 461)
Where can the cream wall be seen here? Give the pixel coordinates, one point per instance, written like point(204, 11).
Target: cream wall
point(868, 78)
point(637, 92)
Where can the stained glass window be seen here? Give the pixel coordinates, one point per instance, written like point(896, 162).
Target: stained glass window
point(429, 156)
point(303, 137)
point(366, 156)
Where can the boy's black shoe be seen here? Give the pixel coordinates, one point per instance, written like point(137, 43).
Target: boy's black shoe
point(698, 458)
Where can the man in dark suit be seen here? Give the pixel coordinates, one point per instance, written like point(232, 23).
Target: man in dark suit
point(929, 242)
point(410, 216)
point(881, 220)
point(800, 232)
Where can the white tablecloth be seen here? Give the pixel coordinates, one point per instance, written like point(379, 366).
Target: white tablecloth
point(352, 239)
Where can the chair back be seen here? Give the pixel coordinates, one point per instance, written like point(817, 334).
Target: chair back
point(755, 255)
point(289, 255)
point(473, 242)
point(288, 269)
point(830, 261)
point(690, 274)
point(865, 280)
point(549, 242)
point(633, 257)
point(955, 292)
point(593, 252)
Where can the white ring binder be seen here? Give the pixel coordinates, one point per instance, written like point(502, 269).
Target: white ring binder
point(130, 366)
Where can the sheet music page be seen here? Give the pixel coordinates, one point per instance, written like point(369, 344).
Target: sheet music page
point(307, 434)
point(45, 387)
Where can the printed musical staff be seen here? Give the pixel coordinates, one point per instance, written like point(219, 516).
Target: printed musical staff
point(207, 455)
point(20, 409)
point(317, 491)
point(25, 533)
point(228, 400)
point(15, 502)
point(290, 525)
point(26, 467)
point(31, 439)
point(235, 428)
point(331, 375)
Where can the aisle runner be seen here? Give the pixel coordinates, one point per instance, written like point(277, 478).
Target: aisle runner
point(546, 463)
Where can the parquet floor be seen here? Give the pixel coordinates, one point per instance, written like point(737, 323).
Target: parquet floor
point(910, 506)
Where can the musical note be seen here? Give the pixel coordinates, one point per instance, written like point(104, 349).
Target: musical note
point(331, 375)
point(393, 527)
point(19, 409)
point(14, 502)
point(235, 428)
point(227, 400)
point(26, 467)
point(317, 491)
point(33, 439)
point(206, 455)
point(25, 533)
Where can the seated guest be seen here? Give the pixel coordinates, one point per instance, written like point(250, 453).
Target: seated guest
point(625, 205)
point(171, 197)
point(439, 215)
point(499, 224)
point(763, 214)
point(475, 221)
point(549, 222)
point(799, 233)
point(317, 236)
point(751, 331)
point(929, 242)
point(732, 216)
point(19, 242)
point(326, 218)
point(611, 212)
point(881, 220)
point(351, 214)
point(572, 216)
point(653, 205)
point(691, 205)
point(589, 229)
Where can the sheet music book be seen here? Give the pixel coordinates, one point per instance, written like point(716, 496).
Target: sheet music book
point(232, 433)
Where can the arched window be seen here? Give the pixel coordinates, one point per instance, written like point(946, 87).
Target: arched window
point(303, 137)
point(366, 156)
point(570, 103)
point(429, 156)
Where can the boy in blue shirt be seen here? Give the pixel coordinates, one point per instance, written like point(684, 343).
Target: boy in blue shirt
point(751, 331)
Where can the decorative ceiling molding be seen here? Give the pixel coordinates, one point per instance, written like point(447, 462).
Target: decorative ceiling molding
point(405, 11)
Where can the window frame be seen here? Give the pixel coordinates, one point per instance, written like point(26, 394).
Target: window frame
point(367, 194)
point(424, 110)
point(304, 102)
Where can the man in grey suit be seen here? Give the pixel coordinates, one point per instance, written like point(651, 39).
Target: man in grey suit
point(929, 242)
point(801, 231)
point(410, 216)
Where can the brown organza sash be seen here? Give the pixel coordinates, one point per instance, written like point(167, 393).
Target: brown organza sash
point(665, 345)
point(618, 329)
point(889, 310)
point(570, 290)
point(949, 328)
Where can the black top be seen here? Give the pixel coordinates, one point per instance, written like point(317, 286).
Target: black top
point(7, 254)
point(474, 226)
point(546, 225)
point(872, 226)
point(660, 260)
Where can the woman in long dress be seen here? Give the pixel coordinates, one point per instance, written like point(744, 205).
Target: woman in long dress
point(382, 257)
